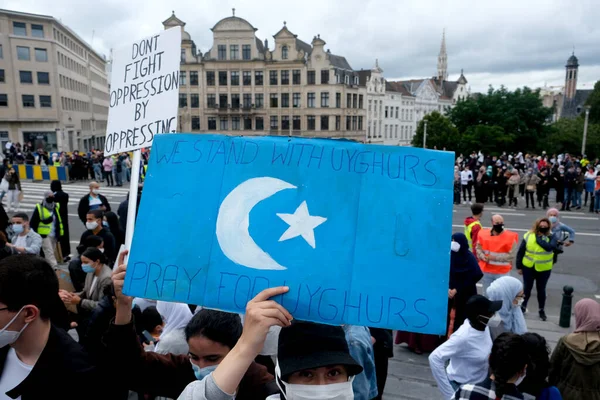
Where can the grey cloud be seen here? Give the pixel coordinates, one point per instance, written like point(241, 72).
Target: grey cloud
point(520, 41)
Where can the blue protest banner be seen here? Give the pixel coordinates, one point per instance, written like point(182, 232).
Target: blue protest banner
point(360, 233)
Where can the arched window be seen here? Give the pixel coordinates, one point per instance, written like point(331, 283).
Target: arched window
point(284, 52)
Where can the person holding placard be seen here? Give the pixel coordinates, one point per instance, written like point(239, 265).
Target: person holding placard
point(211, 335)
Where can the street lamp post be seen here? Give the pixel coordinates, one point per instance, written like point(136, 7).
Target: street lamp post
point(425, 134)
point(585, 126)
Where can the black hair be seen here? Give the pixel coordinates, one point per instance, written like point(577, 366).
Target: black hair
point(113, 222)
point(23, 216)
point(98, 214)
point(94, 254)
point(477, 209)
point(90, 241)
point(55, 186)
point(509, 357)
point(218, 326)
point(539, 365)
point(29, 280)
point(150, 318)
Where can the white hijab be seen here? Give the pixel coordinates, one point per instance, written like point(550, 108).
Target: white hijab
point(506, 289)
point(175, 315)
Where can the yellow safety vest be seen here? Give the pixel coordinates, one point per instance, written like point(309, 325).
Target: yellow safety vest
point(44, 213)
point(57, 163)
point(536, 255)
point(468, 230)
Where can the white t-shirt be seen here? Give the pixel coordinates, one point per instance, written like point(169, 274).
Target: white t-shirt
point(21, 241)
point(95, 203)
point(466, 177)
point(15, 372)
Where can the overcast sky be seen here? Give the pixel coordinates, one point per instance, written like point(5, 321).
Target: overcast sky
point(510, 42)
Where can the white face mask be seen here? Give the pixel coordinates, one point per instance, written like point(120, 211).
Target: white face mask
point(91, 225)
point(101, 250)
point(493, 322)
point(521, 378)
point(520, 301)
point(454, 246)
point(9, 337)
point(95, 191)
point(334, 391)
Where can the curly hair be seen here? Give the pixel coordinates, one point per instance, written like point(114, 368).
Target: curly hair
point(509, 357)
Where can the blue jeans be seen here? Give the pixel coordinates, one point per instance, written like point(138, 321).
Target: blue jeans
point(487, 280)
point(98, 173)
point(119, 178)
point(576, 198)
point(597, 201)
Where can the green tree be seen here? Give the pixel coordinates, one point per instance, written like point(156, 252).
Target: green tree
point(594, 102)
point(520, 114)
point(440, 132)
point(488, 139)
point(567, 134)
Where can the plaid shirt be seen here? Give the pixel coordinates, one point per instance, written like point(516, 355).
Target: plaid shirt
point(485, 391)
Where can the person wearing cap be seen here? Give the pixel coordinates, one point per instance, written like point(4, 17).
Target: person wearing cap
point(47, 221)
point(468, 349)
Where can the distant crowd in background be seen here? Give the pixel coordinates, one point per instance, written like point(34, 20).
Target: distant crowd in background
point(82, 166)
point(572, 182)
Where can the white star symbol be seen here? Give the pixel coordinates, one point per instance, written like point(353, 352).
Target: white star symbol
point(301, 224)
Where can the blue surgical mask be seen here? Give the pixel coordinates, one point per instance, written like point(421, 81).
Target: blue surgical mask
point(17, 228)
point(87, 268)
point(553, 219)
point(202, 373)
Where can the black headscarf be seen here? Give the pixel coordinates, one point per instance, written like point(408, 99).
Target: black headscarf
point(464, 269)
point(55, 186)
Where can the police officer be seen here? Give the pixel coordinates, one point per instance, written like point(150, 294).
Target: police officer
point(47, 222)
point(535, 260)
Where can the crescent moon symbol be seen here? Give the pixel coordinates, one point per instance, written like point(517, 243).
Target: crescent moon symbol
point(233, 221)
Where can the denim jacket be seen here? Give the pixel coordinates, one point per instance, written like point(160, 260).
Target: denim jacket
point(361, 349)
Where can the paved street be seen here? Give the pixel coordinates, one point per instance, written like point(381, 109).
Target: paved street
point(34, 193)
point(409, 374)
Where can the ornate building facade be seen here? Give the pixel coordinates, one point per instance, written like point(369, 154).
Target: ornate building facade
point(394, 108)
point(242, 86)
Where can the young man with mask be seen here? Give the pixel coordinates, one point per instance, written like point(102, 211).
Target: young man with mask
point(92, 201)
point(36, 356)
point(94, 227)
point(47, 222)
point(468, 349)
point(25, 240)
point(496, 251)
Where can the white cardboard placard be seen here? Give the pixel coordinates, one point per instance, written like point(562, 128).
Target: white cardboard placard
point(144, 92)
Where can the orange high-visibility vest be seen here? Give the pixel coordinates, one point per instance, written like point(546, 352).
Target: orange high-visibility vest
point(496, 245)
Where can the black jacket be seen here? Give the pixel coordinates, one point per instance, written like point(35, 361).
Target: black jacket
point(84, 206)
point(110, 250)
point(63, 371)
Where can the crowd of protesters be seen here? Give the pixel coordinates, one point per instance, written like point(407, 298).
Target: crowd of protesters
point(113, 170)
point(568, 181)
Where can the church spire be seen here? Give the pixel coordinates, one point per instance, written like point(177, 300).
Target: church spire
point(442, 66)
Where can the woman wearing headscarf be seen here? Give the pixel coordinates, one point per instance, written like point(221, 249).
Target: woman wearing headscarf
point(575, 363)
point(172, 339)
point(510, 291)
point(481, 183)
point(62, 199)
point(464, 275)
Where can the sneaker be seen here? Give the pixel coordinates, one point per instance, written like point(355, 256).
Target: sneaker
point(543, 316)
point(464, 203)
point(470, 203)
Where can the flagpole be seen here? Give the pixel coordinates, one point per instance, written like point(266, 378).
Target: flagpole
point(133, 195)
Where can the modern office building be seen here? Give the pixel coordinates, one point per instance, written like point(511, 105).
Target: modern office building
point(53, 85)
